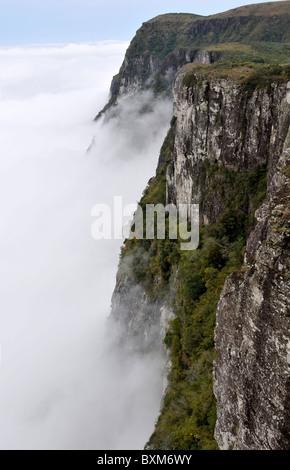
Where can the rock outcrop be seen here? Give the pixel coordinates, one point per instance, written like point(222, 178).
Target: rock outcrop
point(153, 71)
point(217, 121)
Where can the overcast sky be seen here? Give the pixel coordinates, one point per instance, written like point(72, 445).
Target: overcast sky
point(46, 21)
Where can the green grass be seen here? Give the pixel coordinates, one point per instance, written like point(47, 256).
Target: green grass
point(250, 76)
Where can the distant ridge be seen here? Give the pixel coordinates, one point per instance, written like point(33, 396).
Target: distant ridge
point(260, 9)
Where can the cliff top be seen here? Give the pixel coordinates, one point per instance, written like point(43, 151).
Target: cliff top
point(249, 76)
point(260, 9)
point(252, 34)
point(176, 17)
point(264, 22)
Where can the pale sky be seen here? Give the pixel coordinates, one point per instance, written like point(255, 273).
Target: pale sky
point(55, 21)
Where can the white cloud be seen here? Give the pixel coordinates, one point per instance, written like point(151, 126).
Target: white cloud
point(25, 72)
point(58, 389)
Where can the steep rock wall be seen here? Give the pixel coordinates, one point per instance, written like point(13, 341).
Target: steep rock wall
point(218, 125)
point(252, 369)
point(153, 71)
point(226, 137)
point(164, 44)
point(217, 121)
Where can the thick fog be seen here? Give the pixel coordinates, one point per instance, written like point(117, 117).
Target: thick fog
point(60, 385)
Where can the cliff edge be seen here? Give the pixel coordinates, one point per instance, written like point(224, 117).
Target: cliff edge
point(221, 312)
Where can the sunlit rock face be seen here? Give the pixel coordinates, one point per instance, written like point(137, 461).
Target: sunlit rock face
point(216, 122)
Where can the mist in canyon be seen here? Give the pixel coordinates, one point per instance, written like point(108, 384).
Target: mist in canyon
point(61, 384)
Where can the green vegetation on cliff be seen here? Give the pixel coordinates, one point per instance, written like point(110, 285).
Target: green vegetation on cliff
point(187, 419)
point(266, 22)
point(191, 282)
point(246, 35)
point(253, 47)
point(250, 75)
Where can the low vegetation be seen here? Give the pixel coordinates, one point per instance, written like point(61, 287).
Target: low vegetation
point(250, 76)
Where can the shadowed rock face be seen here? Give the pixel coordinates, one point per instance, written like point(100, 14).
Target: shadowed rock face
point(252, 335)
point(155, 72)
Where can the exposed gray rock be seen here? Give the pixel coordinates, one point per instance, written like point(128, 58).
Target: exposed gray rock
point(143, 71)
point(137, 317)
point(252, 368)
point(215, 122)
point(141, 321)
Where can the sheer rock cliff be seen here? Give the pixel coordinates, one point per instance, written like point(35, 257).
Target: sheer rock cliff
point(226, 326)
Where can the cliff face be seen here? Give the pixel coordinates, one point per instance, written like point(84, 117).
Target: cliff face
point(222, 311)
point(220, 136)
point(217, 121)
point(154, 71)
point(253, 330)
point(166, 43)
